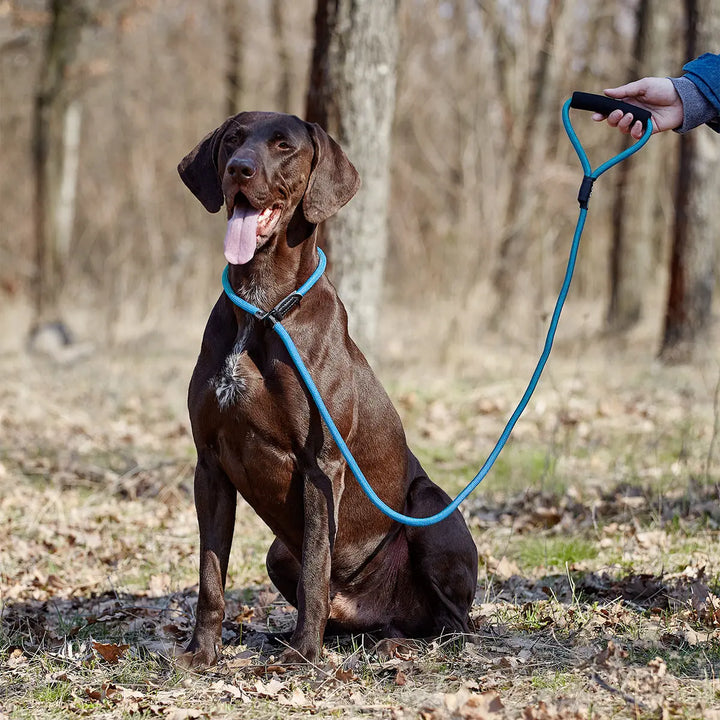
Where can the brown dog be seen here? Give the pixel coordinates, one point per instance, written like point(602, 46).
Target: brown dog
point(338, 560)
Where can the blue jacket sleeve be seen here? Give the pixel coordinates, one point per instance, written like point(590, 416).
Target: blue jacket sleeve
point(704, 72)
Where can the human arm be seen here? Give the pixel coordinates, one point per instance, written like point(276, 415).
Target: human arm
point(675, 103)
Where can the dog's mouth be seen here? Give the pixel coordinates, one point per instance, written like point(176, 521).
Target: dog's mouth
point(248, 228)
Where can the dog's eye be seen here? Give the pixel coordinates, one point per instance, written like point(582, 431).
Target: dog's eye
point(281, 142)
point(235, 136)
point(231, 139)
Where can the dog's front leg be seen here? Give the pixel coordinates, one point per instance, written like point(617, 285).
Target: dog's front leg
point(320, 502)
point(215, 503)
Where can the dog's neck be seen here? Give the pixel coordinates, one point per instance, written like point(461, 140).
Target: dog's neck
point(276, 272)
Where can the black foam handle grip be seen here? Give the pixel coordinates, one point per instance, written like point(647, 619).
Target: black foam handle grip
point(605, 105)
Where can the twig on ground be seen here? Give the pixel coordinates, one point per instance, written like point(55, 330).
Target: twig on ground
point(629, 699)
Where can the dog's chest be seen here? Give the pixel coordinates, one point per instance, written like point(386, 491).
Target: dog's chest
point(231, 384)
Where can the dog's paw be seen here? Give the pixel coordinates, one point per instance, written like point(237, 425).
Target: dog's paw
point(291, 656)
point(197, 658)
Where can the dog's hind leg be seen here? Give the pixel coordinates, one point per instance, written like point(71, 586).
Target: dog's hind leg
point(443, 556)
point(284, 570)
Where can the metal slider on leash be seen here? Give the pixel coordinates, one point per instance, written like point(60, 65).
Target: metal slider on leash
point(279, 312)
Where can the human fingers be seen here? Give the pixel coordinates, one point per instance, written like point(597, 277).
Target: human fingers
point(615, 117)
point(627, 92)
point(622, 122)
point(625, 123)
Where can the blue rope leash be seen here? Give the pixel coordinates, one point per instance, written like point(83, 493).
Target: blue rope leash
point(274, 317)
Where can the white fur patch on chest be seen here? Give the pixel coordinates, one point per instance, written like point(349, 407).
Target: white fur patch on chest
point(230, 384)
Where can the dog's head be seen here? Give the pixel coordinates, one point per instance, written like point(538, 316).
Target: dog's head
point(263, 166)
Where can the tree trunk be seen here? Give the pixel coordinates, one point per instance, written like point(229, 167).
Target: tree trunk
point(235, 11)
point(56, 125)
point(67, 189)
point(629, 254)
point(352, 95)
point(692, 266)
point(284, 59)
point(517, 210)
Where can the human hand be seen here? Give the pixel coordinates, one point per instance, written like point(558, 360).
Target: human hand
point(658, 95)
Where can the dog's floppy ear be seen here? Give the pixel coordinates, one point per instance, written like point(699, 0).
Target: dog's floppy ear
point(333, 180)
point(199, 170)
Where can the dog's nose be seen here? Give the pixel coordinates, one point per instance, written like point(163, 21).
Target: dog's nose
point(244, 167)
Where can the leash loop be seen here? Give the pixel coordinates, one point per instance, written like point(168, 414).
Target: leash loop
point(275, 315)
point(590, 174)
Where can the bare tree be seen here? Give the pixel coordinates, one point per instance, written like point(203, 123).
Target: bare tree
point(277, 20)
point(628, 250)
point(692, 266)
point(352, 95)
point(234, 14)
point(470, 71)
point(55, 148)
point(515, 241)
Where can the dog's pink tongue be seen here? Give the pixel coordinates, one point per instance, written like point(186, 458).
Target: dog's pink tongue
point(240, 238)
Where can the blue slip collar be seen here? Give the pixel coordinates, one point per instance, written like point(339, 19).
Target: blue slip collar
point(285, 305)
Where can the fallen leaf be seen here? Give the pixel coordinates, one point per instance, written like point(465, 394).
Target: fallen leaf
point(176, 713)
point(545, 711)
point(658, 666)
point(270, 670)
point(387, 647)
point(652, 539)
point(109, 652)
point(468, 705)
point(222, 687)
point(177, 632)
point(505, 568)
point(245, 615)
point(611, 654)
point(17, 657)
point(107, 690)
point(159, 584)
point(345, 675)
point(270, 689)
point(265, 599)
point(487, 702)
point(296, 699)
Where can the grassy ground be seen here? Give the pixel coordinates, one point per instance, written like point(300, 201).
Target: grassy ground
point(599, 592)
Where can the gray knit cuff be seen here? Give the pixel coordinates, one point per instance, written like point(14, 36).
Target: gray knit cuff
point(696, 109)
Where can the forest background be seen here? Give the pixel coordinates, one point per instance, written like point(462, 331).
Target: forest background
point(482, 179)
